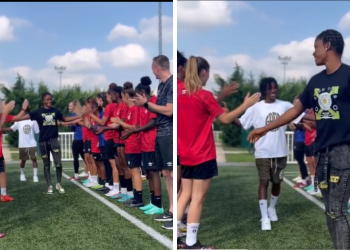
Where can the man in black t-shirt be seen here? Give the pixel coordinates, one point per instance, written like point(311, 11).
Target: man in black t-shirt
point(327, 93)
point(164, 141)
point(47, 119)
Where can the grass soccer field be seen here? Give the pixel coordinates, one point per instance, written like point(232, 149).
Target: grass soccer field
point(75, 220)
point(231, 215)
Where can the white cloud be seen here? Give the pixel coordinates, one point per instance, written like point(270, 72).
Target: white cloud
point(8, 26)
point(131, 55)
point(148, 30)
point(301, 65)
point(203, 15)
point(344, 22)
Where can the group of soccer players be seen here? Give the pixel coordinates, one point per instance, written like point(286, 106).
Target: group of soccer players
point(123, 130)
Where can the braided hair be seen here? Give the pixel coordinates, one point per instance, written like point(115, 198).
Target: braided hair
point(334, 38)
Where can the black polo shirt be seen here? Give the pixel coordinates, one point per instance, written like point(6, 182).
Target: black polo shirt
point(164, 96)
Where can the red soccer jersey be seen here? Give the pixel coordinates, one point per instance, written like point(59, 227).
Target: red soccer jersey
point(148, 138)
point(180, 86)
point(109, 134)
point(133, 143)
point(122, 115)
point(310, 135)
point(9, 118)
point(116, 113)
point(94, 140)
point(195, 117)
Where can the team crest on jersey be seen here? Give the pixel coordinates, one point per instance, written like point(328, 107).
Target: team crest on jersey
point(129, 116)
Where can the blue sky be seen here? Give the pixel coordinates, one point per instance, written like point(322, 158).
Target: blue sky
point(254, 34)
point(35, 37)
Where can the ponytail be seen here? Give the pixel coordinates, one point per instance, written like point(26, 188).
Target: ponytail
point(192, 81)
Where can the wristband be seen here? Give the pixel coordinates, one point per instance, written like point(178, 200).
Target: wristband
point(146, 105)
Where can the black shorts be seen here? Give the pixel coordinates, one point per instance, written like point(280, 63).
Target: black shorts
point(203, 171)
point(310, 150)
point(134, 160)
point(149, 161)
point(103, 152)
point(97, 157)
point(164, 152)
point(121, 145)
point(178, 160)
point(2, 165)
point(87, 147)
point(109, 149)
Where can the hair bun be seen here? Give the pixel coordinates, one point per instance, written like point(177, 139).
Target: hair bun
point(146, 81)
point(128, 85)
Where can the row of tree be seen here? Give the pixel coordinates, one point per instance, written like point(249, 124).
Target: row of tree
point(33, 92)
point(233, 136)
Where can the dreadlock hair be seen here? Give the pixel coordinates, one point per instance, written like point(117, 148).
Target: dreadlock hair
point(144, 85)
point(194, 67)
point(334, 38)
point(265, 84)
point(181, 60)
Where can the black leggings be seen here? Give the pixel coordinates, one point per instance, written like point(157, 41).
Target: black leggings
point(78, 149)
point(299, 153)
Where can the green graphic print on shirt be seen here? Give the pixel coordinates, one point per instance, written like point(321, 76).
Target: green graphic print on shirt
point(327, 103)
point(49, 119)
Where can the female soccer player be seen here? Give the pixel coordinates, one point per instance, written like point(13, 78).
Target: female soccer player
point(197, 109)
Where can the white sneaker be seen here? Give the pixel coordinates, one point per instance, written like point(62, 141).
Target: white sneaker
point(265, 224)
point(297, 178)
point(272, 214)
point(315, 193)
point(83, 174)
point(35, 179)
point(112, 193)
point(91, 184)
point(23, 178)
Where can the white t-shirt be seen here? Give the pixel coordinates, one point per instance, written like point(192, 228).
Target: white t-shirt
point(27, 130)
point(273, 144)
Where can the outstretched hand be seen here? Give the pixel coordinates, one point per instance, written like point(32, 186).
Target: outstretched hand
point(255, 135)
point(250, 100)
point(228, 90)
point(7, 108)
point(25, 104)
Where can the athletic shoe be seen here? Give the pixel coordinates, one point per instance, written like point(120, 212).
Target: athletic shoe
point(2, 235)
point(60, 188)
point(112, 193)
point(308, 188)
point(144, 177)
point(50, 190)
point(168, 225)
point(129, 201)
point(74, 179)
point(155, 210)
point(297, 179)
point(125, 199)
point(22, 177)
point(300, 185)
point(349, 207)
point(91, 184)
point(198, 245)
point(83, 174)
point(118, 196)
point(35, 179)
point(97, 186)
point(85, 182)
point(183, 228)
point(167, 216)
point(147, 207)
point(134, 203)
point(318, 192)
point(265, 224)
point(272, 214)
point(6, 198)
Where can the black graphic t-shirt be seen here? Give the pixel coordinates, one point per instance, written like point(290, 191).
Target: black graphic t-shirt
point(47, 121)
point(329, 97)
point(164, 96)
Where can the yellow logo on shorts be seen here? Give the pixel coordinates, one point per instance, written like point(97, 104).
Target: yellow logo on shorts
point(334, 179)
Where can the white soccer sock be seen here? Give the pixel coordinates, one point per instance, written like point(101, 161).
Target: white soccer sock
point(273, 201)
point(35, 172)
point(130, 193)
point(116, 186)
point(123, 190)
point(263, 208)
point(312, 180)
point(22, 171)
point(3, 191)
point(76, 175)
point(191, 237)
point(178, 228)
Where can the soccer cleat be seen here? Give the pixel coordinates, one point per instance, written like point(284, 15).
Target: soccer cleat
point(83, 174)
point(112, 193)
point(147, 207)
point(265, 224)
point(60, 188)
point(297, 179)
point(50, 190)
point(6, 198)
point(35, 179)
point(272, 214)
point(168, 225)
point(300, 185)
point(198, 245)
point(74, 179)
point(118, 196)
point(2, 235)
point(98, 186)
point(155, 210)
point(23, 177)
point(318, 192)
point(308, 188)
point(125, 199)
point(134, 203)
point(90, 184)
point(167, 216)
